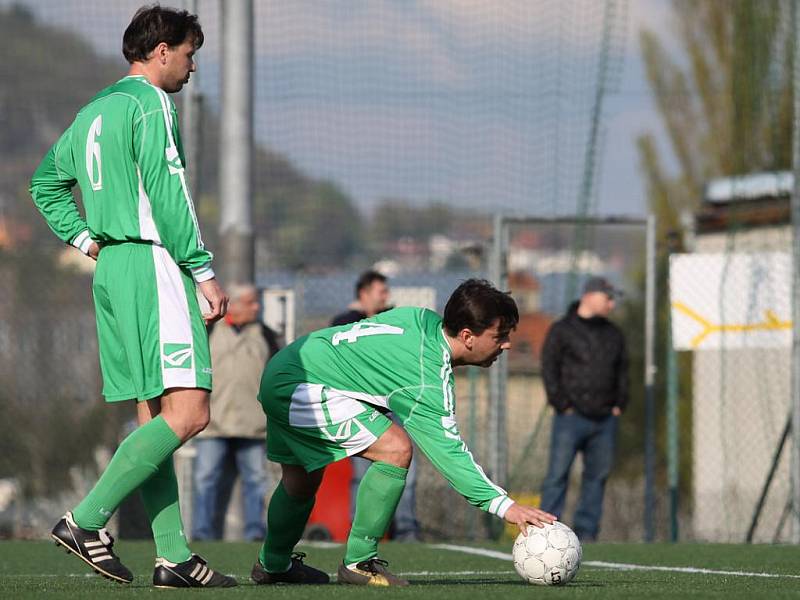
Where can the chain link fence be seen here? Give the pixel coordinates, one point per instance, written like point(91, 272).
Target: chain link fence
point(386, 136)
point(731, 313)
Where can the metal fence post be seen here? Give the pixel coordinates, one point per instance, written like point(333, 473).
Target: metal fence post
point(673, 435)
point(497, 452)
point(795, 204)
point(649, 380)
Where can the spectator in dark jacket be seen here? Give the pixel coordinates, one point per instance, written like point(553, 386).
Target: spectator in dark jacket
point(372, 295)
point(585, 369)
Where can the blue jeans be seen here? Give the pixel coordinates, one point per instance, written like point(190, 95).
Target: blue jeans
point(404, 524)
point(215, 467)
point(596, 439)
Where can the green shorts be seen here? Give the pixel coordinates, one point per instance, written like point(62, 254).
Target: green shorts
point(314, 446)
point(150, 332)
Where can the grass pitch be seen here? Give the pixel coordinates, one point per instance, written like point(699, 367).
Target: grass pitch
point(38, 569)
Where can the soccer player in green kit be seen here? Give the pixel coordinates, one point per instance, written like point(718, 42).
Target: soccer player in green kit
point(124, 152)
point(325, 396)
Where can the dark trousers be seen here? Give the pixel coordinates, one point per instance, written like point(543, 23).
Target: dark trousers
point(596, 439)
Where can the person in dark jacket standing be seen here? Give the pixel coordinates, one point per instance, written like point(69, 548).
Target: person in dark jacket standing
point(585, 369)
point(372, 296)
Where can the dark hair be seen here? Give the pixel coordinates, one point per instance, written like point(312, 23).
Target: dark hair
point(154, 24)
point(367, 278)
point(476, 304)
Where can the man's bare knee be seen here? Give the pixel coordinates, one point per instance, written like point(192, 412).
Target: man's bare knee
point(186, 411)
point(392, 447)
point(401, 456)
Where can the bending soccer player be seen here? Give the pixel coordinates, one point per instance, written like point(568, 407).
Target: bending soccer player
point(124, 152)
point(325, 395)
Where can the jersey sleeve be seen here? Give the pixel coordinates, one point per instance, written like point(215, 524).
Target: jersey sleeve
point(431, 423)
point(156, 143)
point(51, 190)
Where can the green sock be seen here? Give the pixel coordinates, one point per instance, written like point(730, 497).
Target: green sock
point(378, 494)
point(160, 498)
point(135, 461)
point(286, 521)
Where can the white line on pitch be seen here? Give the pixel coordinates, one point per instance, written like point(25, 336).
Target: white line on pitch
point(40, 575)
point(619, 566)
point(632, 567)
point(470, 550)
point(446, 573)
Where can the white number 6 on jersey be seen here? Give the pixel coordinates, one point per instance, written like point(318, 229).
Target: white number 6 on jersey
point(93, 154)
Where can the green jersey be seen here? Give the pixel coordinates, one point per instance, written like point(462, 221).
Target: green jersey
point(398, 360)
point(124, 152)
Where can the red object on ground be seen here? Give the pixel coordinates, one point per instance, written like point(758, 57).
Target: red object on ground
point(332, 508)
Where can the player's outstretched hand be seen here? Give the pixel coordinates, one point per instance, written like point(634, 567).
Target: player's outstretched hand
point(522, 516)
point(217, 300)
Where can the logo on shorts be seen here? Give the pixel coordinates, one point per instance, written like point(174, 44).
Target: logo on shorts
point(177, 356)
point(344, 430)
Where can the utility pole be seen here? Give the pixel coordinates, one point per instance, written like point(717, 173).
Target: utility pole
point(236, 147)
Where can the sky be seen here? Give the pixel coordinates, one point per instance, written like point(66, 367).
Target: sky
point(478, 104)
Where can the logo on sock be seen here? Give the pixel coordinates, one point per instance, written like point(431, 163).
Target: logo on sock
point(177, 356)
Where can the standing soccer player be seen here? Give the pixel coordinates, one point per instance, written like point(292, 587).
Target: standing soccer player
point(325, 396)
point(124, 152)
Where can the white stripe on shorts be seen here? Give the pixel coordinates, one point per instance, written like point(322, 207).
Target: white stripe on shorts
point(306, 408)
point(175, 326)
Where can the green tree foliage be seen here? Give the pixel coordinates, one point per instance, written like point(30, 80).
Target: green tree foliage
point(724, 98)
point(302, 222)
point(320, 228)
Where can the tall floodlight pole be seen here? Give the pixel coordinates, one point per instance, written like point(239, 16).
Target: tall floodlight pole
point(795, 204)
point(236, 143)
point(190, 124)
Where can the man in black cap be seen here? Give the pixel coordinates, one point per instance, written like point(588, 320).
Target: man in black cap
point(585, 370)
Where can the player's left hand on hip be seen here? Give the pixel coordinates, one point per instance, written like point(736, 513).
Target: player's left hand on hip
point(94, 250)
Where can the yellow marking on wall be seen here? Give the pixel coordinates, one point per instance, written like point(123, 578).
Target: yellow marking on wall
point(771, 322)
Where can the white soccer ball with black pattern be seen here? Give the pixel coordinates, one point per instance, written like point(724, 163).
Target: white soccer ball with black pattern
point(549, 555)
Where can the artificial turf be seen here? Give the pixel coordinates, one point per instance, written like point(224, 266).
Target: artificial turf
point(39, 569)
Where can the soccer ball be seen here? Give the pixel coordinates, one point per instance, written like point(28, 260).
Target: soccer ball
point(549, 555)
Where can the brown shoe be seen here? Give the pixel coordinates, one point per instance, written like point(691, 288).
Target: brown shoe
point(369, 572)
